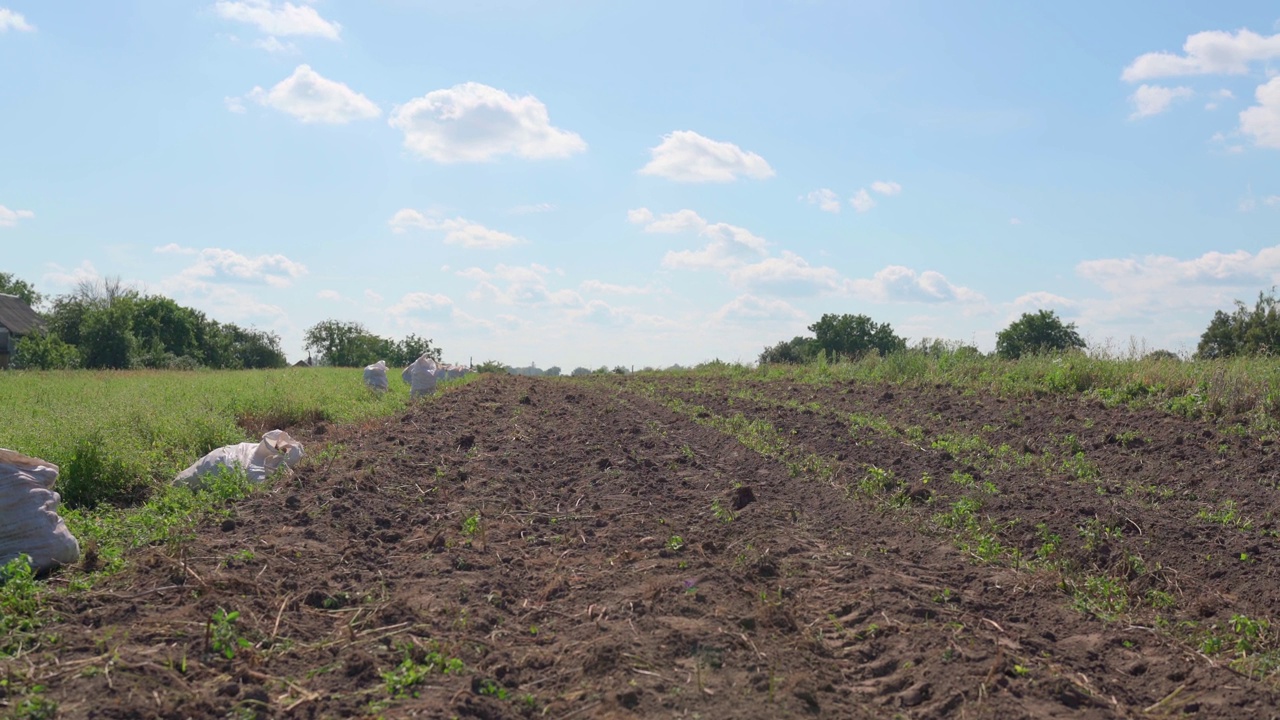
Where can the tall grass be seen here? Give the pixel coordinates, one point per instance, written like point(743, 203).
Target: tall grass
point(119, 435)
point(1226, 388)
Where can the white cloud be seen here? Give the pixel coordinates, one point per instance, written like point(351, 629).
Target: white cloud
point(1207, 53)
point(1272, 200)
point(1151, 100)
point(686, 156)
point(1041, 300)
point(372, 297)
point(458, 231)
point(9, 218)
point(825, 199)
point(1015, 221)
point(728, 245)
point(1164, 273)
point(472, 122)
point(862, 201)
point(1223, 94)
point(219, 264)
point(234, 104)
point(423, 305)
point(310, 97)
point(896, 283)
point(283, 19)
point(518, 285)
point(273, 45)
point(749, 308)
point(886, 187)
point(333, 295)
point(62, 277)
point(604, 288)
point(789, 275)
point(532, 209)
point(1262, 121)
point(10, 19)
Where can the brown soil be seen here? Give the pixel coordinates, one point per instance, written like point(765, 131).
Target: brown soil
point(631, 561)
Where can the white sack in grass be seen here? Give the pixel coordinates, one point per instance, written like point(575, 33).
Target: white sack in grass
point(375, 375)
point(258, 459)
point(29, 521)
point(421, 376)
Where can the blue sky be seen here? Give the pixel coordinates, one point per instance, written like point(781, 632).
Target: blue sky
point(587, 183)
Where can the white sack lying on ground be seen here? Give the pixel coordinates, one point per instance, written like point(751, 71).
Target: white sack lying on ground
point(29, 521)
point(375, 375)
point(421, 376)
point(258, 459)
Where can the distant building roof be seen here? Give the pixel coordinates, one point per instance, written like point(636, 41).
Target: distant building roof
point(18, 316)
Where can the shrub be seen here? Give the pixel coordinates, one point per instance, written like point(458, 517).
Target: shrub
point(1036, 333)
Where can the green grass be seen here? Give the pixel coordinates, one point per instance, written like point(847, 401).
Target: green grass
point(117, 436)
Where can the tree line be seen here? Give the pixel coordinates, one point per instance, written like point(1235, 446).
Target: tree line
point(1245, 331)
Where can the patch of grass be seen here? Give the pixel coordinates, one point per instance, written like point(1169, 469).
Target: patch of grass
point(416, 666)
point(1227, 515)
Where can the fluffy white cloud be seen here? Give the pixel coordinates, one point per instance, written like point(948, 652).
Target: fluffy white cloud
point(1165, 274)
point(457, 231)
point(1262, 121)
point(518, 285)
point(825, 199)
point(862, 201)
point(219, 264)
point(423, 305)
point(749, 308)
point(1206, 53)
point(69, 278)
point(1151, 100)
point(789, 275)
point(10, 19)
point(9, 218)
point(728, 245)
point(234, 104)
point(278, 19)
point(311, 97)
point(896, 283)
point(886, 187)
point(472, 122)
point(686, 156)
point(1218, 96)
point(272, 44)
point(1015, 221)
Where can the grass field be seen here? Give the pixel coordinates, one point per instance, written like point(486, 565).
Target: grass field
point(117, 436)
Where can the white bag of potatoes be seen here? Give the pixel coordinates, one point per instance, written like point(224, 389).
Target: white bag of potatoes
point(258, 459)
point(29, 520)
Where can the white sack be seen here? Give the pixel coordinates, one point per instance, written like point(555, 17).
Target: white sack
point(421, 376)
point(29, 521)
point(375, 375)
point(258, 459)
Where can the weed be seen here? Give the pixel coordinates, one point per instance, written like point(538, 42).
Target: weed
point(723, 514)
point(221, 635)
point(1226, 515)
point(675, 543)
point(471, 524)
point(402, 681)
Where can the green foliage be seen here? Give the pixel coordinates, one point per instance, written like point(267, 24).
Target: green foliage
point(44, 351)
point(799, 349)
point(553, 371)
point(349, 344)
point(415, 668)
point(118, 436)
point(1244, 332)
point(578, 372)
point(222, 635)
point(493, 366)
point(106, 337)
point(11, 284)
point(1037, 333)
point(853, 336)
point(19, 605)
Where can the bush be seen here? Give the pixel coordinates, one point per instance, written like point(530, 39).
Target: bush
point(44, 351)
point(853, 336)
point(797, 350)
point(1037, 333)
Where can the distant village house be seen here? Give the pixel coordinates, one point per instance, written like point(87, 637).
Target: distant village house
point(17, 319)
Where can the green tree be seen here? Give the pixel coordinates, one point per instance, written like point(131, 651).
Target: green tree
point(579, 372)
point(346, 344)
point(798, 349)
point(411, 348)
point(44, 351)
point(853, 336)
point(11, 284)
point(1246, 331)
point(1038, 332)
point(491, 366)
point(106, 337)
point(553, 371)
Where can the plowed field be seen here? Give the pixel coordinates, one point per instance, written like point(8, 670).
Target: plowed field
point(691, 547)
